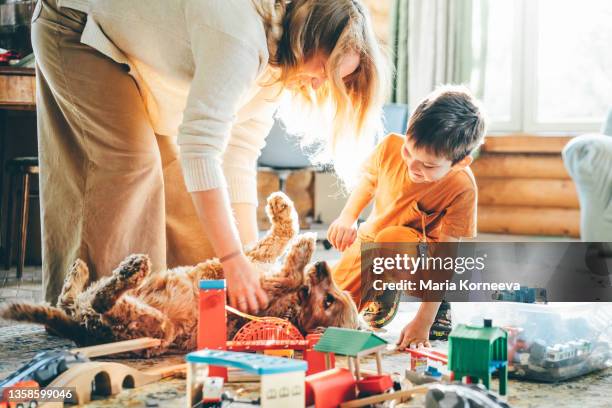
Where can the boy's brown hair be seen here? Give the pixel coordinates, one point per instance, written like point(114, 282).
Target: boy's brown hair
point(449, 123)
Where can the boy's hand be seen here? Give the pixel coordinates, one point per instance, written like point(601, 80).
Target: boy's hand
point(342, 233)
point(414, 335)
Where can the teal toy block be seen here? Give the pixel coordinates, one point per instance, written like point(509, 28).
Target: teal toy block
point(282, 380)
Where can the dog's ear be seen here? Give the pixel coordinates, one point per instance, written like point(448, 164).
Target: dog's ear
point(303, 294)
point(319, 273)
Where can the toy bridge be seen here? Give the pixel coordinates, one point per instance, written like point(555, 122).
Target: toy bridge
point(262, 345)
point(429, 353)
point(267, 333)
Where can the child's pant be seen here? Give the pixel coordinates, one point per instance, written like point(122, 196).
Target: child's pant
point(347, 272)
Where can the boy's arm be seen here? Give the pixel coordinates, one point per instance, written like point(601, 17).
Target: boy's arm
point(416, 333)
point(343, 232)
point(364, 191)
point(359, 199)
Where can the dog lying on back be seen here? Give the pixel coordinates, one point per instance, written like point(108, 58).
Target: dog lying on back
point(132, 303)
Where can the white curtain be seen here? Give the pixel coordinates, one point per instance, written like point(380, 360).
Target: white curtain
point(432, 41)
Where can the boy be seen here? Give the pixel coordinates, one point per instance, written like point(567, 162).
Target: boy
point(421, 184)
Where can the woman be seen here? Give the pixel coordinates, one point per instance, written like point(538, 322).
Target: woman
point(152, 114)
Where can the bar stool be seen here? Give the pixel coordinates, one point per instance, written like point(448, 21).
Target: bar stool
point(20, 170)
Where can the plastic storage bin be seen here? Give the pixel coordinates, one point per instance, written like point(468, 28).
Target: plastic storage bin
point(547, 342)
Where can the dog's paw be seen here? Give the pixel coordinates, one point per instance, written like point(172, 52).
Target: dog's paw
point(133, 268)
point(280, 208)
point(304, 246)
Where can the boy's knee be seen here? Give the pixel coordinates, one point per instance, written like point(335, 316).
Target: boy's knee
point(398, 234)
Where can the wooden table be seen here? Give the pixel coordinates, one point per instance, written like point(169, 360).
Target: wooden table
point(17, 89)
point(17, 92)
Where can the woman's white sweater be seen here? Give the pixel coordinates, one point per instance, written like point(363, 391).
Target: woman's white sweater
point(200, 66)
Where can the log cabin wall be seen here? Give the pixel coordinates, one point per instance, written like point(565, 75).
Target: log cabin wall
point(523, 187)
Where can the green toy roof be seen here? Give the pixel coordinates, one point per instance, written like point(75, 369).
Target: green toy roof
point(489, 334)
point(348, 342)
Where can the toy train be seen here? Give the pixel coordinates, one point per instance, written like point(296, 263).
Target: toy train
point(523, 295)
point(540, 361)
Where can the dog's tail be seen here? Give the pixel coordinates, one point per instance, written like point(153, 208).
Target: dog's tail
point(56, 320)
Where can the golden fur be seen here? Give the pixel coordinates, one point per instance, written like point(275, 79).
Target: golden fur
point(132, 303)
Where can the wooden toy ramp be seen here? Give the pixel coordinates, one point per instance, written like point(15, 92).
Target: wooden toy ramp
point(109, 378)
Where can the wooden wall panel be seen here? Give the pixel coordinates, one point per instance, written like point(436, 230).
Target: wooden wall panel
point(526, 191)
point(523, 187)
point(540, 166)
point(525, 144)
point(529, 220)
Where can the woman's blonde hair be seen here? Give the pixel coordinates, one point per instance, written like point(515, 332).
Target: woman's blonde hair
point(348, 110)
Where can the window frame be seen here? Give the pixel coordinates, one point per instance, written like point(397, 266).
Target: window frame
point(524, 95)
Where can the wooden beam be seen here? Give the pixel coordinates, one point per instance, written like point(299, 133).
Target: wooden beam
point(529, 220)
point(379, 362)
point(527, 192)
point(501, 165)
point(173, 370)
point(522, 143)
point(118, 347)
point(403, 395)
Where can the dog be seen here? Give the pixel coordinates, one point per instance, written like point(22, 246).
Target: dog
point(133, 303)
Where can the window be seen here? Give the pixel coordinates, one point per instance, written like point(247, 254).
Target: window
point(543, 65)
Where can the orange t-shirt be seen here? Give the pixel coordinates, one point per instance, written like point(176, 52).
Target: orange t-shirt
point(447, 206)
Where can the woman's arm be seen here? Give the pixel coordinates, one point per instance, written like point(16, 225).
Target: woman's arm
point(225, 69)
point(213, 207)
point(240, 160)
point(246, 221)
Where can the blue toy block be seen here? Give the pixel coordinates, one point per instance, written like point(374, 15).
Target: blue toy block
point(433, 372)
point(212, 284)
point(253, 363)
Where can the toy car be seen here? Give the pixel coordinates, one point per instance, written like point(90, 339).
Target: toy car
point(462, 395)
point(44, 367)
point(38, 373)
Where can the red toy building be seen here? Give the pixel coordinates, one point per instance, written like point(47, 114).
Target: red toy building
point(328, 389)
point(212, 326)
point(317, 360)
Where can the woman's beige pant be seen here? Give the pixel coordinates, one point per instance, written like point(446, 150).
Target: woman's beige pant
point(109, 186)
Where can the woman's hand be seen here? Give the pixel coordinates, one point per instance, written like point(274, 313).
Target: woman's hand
point(342, 232)
point(243, 286)
point(242, 277)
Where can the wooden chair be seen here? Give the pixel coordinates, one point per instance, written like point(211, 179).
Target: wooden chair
point(20, 170)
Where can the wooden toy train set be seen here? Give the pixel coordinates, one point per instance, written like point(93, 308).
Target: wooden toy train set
point(263, 351)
